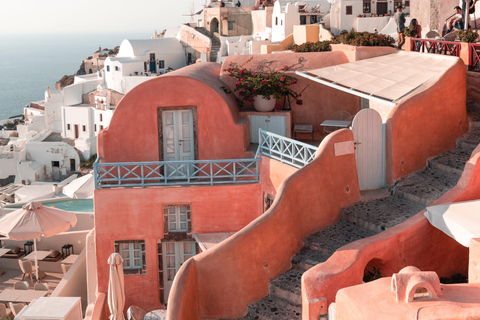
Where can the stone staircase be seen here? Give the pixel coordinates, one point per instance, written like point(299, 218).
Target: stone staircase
point(406, 198)
point(215, 43)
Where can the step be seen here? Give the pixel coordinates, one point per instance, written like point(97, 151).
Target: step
point(425, 186)
point(380, 214)
point(331, 238)
point(471, 139)
point(308, 258)
point(451, 162)
point(288, 287)
point(273, 308)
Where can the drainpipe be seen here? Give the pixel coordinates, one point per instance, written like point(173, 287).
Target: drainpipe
point(466, 14)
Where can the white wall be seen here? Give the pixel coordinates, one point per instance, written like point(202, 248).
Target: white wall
point(72, 94)
point(370, 24)
point(81, 116)
point(46, 152)
point(283, 22)
point(8, 167)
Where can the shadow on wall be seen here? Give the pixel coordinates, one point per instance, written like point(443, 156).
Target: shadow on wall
point(309, 200)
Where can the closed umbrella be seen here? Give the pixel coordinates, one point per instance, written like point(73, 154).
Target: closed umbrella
point(116, 290)
point(34, 221)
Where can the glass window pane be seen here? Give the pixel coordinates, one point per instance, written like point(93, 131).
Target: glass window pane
point(168, 118)
point(171, 262)
point(185, 117)
point(186, 132)
point(170, 248)
point(183, 226)
point(187, 248)
point(170, 274)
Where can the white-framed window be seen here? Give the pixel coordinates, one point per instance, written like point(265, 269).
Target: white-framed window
point(133, 254)
point(178, 218)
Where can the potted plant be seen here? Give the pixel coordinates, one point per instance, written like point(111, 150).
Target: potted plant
point(263, 85)
point(468, 36)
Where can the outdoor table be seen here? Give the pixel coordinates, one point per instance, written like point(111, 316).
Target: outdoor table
point(40, 255)
point(156, 315)
point(3, 251)
point(459, 220)
point(70, 259)
point(336, 123)
point(10, 295)
point(26, 296)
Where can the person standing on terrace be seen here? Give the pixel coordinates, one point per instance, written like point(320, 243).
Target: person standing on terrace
point(400, 21)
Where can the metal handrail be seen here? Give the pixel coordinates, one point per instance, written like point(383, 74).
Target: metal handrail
point(474, 57)
point(286, 150)
point(163, 173)
point(450, 48)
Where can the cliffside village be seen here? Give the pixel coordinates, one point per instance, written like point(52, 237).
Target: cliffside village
point(347, 189)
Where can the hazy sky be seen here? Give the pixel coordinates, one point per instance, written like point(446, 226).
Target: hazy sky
point(87, 16)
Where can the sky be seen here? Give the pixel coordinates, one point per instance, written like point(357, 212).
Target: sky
point(90, 16)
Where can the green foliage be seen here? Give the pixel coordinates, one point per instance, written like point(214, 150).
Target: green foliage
point(468, 36)
point(456, 278)
point(9, 125)
point(7, 317)
point(365, 39)
point(410, 31)
point(318, 46)
point(89, 163)
point(262, 81)
point(373, 274)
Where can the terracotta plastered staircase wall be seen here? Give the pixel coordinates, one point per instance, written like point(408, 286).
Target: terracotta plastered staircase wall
point(406, 198)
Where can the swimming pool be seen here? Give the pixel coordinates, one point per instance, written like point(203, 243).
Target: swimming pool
point(76, 205)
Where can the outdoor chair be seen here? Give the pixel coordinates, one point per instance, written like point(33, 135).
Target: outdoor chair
point(432, 34)
point(338, 115)
point(3, 310)
point(41, 286)
point(15, 308)
point(28, 269)
point(20, 285)
point(135, 313)
point(451, 36)
point(65, 267)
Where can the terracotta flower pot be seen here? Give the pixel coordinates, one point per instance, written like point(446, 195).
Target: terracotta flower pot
point(263, 104)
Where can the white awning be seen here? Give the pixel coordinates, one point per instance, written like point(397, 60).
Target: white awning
point(459, 220)
point(389, 78)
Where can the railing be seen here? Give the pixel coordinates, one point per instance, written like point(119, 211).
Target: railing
point(474, 57)
point(286, 150)
point(192, 172)
point(436, 46)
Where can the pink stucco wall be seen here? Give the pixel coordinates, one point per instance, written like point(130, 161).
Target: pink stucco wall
point(307, 201)
point(133, 131)
point(137, 214)
point(426, 124)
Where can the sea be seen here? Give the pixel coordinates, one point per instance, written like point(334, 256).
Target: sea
point(31, 62)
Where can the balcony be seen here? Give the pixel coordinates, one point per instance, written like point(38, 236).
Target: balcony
point(203, 172)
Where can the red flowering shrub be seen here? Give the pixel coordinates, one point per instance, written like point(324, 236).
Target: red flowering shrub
point(262, 81)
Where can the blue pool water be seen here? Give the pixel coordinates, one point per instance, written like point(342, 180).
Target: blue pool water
point(76, 205)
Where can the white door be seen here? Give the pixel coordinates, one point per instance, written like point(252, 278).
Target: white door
point(174, 255)
point(369, 135)
point(178, 139)
point(273, 124)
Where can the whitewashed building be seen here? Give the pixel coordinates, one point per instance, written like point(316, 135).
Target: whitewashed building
point(363, 15)
point(138, 60)
point(84, 121)
point(287, 14)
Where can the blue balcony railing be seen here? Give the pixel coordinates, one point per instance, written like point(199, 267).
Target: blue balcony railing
point(286, 150)
point(193, 172)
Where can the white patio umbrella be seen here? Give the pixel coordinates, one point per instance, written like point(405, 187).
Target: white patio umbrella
point(116, 289)
point(34, 221)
